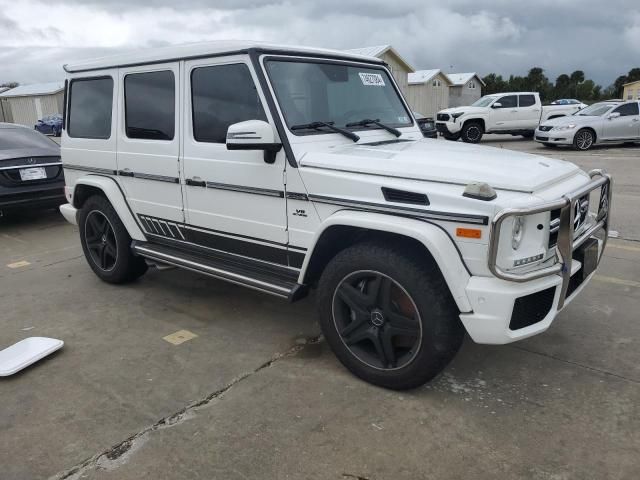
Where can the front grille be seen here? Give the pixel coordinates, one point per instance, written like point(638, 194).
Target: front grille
point(580, 217)
point(532, 308)
point(442, 117)
point(545, 128)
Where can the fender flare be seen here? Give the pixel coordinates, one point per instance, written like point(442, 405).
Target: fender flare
point(432, 236)
point(115, 195)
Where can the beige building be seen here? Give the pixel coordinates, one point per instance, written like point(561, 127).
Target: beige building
point(398, 65)
point(28, 103)
point(428, 91)
point(631, 91)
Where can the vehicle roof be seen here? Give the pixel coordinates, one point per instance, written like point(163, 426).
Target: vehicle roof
point(11, 125)
point(204, 49)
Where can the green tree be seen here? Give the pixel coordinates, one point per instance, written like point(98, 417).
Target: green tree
point(493, 84)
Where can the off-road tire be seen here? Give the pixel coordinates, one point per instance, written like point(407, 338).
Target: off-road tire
point(124, 266)
point(472, 132)
point(441, 332)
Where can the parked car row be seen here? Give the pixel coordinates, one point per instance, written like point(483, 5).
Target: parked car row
point(30, 170)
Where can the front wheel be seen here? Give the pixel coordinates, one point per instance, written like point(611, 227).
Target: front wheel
point(472, 132)
point(106, 243)
point(389, 319)
point(584, 139)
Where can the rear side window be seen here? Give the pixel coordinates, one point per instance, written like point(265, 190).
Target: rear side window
point(510, 101)
point(221, 96)
point(628, 109)
point(149, 105)
point(90, 103)
point(527, 100)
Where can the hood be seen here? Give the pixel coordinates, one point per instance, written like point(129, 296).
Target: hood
point(468, 109)
point(575, 119)
point(54, 151)
point(445, 162)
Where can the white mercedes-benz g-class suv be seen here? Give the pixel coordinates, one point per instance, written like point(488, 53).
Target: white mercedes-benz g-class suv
point(283, 169)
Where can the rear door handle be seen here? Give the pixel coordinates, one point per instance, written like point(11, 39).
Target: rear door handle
point(125, 173)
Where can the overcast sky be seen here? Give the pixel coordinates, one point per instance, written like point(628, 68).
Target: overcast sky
point(504, 36)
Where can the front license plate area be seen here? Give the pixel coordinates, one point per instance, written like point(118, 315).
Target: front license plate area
point(587, 254)
point(35, 173)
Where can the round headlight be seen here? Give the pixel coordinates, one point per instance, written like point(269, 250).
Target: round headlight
point(517, 233)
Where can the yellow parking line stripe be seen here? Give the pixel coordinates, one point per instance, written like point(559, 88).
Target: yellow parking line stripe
point(617, 281)
point(623, 247)
point(21, 263)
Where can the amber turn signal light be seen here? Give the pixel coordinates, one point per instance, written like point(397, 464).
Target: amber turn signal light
point(469, 233)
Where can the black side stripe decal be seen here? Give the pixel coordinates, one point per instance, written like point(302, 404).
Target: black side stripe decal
point(406, 211)
point(243, 189)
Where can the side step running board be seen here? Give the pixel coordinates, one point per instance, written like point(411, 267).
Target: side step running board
point(273, 280)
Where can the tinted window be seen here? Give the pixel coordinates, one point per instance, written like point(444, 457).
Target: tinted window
point(527, 100)
point(90, 108)
point(510, 101)
point(149, 103)
point(627, 109)
point(14, 138)
point(221, 96)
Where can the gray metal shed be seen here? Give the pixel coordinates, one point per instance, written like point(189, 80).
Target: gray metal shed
point(28, 103)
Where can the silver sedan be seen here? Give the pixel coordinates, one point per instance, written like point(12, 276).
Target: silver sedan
point(610, 122)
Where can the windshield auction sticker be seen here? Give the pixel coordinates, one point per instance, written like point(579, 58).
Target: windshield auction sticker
point(371, 79)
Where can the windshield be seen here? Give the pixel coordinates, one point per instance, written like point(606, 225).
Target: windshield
point(14, 138)
point(483, 102)
point(595, 110)
point(311, 91)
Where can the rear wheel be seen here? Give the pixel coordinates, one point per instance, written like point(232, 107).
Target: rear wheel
point(528, 134)
point(584, 139)
point(472, 132)
point(388, 319)
point(107, 244)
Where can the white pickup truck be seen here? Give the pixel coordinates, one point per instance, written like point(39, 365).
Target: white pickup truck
point(515, 113)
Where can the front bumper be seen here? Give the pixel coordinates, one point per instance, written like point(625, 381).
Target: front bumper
point(514, 305)
point(448, 128)
point(554, 137)
point(70, 213)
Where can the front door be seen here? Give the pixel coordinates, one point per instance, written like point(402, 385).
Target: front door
point(148, 145)
point(234, 200)
point(505, 116)
point(624, 127)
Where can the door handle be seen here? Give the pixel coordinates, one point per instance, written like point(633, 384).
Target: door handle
point(196, 182)
point(514, 111)
point(125, 173)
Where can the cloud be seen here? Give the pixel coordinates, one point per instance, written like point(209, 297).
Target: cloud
point(500, 36)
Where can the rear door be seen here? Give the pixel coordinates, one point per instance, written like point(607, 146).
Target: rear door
point(528, 112)
point(505, 116)
point(234, 200)
point(624, 127)
point(148, 145)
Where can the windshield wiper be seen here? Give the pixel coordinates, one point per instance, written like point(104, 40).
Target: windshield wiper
point(367, 121)
point(329, 125)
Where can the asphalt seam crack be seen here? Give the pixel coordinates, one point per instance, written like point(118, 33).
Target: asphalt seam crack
point(570, 362)
point(119, 450)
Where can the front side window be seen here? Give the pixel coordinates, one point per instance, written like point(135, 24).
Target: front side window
point(90, 105)
point(527, 100)
point(510, 101)
point(221, 96)
point(311, 91)
point(627, 110)
point(149, 104)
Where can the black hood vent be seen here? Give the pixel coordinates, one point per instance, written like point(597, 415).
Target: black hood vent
point(402, 196)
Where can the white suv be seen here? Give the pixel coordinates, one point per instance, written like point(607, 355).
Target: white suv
point(281, 168)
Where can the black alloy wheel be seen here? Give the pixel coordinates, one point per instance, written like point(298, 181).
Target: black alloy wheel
point(101, 240)
point(377, 320)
